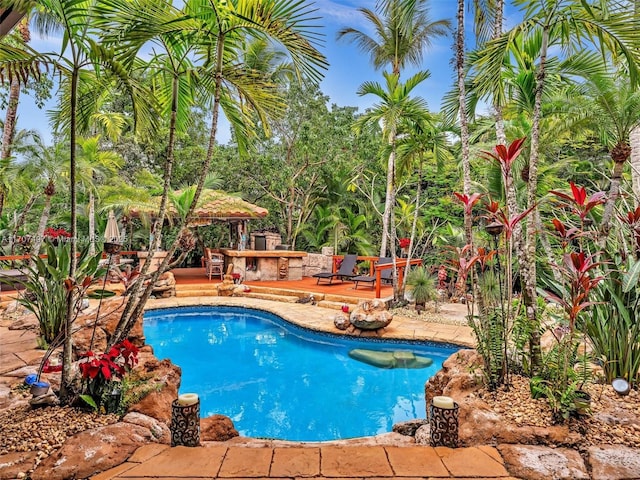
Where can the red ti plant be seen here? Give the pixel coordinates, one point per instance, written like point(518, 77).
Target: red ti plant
point(633, 220)
point(505, 156)
point(468, 200)
point(576, 268)
point(578, 201)
point(462, 264)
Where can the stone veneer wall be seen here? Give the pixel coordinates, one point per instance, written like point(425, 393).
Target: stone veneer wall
point(317, 262)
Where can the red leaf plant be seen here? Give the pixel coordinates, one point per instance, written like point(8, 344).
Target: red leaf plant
point(56, 233)
point(404, 242)
point(576, 268)
point(99, 369)
point(497, 214)
point(505, 156)
point(468, 200)
point(578, 200)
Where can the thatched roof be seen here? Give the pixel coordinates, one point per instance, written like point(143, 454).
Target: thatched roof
point(213, 205)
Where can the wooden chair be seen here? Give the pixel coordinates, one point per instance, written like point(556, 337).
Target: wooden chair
point(213, 264)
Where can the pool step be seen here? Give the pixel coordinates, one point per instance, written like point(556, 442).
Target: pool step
point(269, 296)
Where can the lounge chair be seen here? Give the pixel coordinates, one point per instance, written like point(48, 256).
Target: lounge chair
point(385, 275)
point(345, 271)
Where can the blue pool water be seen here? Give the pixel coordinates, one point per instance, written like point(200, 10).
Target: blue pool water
point(276, 380)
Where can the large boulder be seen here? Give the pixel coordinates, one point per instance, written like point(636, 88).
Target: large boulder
point(217, 428)
point(93, 451)
point(461, 379)
point(371, 315)
point(162, 379)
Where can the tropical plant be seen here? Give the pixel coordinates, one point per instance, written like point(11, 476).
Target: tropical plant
point(569, 24)
point(217, 30)
point(48, 287)
point(402, 36)
point(422, 286)
point(396, 108)
point(102, 373)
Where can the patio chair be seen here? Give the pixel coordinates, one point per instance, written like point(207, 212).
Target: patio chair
point(213, 263)
point(385, 275)
point(345, 271)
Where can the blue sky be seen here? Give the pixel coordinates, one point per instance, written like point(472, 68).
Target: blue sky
point(348, 67)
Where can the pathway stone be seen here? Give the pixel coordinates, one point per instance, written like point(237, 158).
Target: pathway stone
point(182, 462)
point(613, 462)
point(295, 462)
point(471, 462)
point(246, 462)
point(416, 461)
point(532, 462)
point(12, 464)
point(354, 462)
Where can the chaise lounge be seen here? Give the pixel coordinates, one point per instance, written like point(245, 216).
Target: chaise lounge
point(345, 271)
point(385, 275)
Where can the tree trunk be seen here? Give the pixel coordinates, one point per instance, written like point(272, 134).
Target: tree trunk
point(462, 112)
point(501, 136)
point(42, 225)
point(619, 154)
point(388, 205)
point(92, 224)
point(527, 256)
point(21, 220)
point(634, 140)
point(9, 130)
point(414, 226)
point(135, 306)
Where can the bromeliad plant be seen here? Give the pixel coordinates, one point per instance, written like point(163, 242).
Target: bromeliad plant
point(102, 373)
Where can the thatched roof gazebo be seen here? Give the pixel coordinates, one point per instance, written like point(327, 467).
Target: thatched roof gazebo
point(214, 205)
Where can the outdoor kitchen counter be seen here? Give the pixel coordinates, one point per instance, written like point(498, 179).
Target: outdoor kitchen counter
point(256, 265)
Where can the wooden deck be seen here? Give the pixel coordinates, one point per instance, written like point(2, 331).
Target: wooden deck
point(196, 278)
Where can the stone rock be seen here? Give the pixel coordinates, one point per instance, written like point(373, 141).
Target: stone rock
point(157, 403)
point(159, 431)
point(423, 435)
point(533, 462)
point(614, 462)
point(460, 378)
point(217, 428)
point(15, 463)
point(93, 451)
point(82, 340)
point(26, 321)
point(371, 315)
point(409, 427)
point(341, 321)
point(47, 400)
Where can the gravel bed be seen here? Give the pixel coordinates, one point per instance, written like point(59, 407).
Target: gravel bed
point(613, 420)
point(44, 430)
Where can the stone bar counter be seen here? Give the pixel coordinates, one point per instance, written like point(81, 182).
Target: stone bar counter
point(256, 265)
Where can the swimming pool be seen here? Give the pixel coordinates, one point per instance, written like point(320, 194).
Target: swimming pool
point(277, 380)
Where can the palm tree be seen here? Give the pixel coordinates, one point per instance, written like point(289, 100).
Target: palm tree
point(396, 108)
point(95, 164)
point(218, 30)
point(569, 25)
point(402, 36)
point(426, 140)
point(47, 168)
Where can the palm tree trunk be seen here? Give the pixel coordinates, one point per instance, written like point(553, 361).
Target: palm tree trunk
point(92, 224)
point(135, 306)
point(462, 112)
point(501, 136)
point(634, 140)
point(414, 226)
point(614, 193)
point(527, 255)
point(388, 206)
point(65, 383)
point(9, 129)
point(42, 225)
